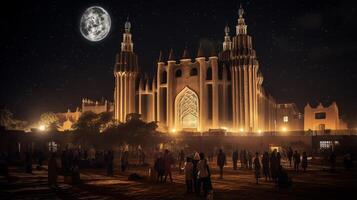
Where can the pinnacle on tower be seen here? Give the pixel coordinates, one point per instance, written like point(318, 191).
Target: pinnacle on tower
point(160, 57)
point(226, 30)
point(200, 52)
point(185, 53)
point(171, 55)
point(127, 25)
point(241, 28)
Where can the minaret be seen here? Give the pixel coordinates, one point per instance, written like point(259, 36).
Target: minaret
point(244, 70)
point(125, 73)
point(227, 44)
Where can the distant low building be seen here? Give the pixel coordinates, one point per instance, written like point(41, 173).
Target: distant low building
point(323, 118)
point(67, 119)
point(289, 118)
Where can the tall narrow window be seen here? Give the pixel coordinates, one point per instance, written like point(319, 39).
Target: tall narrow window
point(164, 77)
point(209, 73)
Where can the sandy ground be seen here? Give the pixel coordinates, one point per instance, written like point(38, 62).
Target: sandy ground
point(313, 184)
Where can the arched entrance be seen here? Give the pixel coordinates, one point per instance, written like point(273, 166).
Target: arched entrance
point(187, 110)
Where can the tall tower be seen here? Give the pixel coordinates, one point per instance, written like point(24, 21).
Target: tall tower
point(125, 73)
point(245, 82)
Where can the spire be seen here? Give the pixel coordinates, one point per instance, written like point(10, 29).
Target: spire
point(241, 28)
point(160, 57)
point(226, 30)
point(171, 55)
point(185, 53)
point(227, 44)
point(127, 25)
point(200, 52)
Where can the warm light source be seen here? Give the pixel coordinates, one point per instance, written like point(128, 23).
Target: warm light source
point(284, 129)
point(259, 131)
point(241, 129)
point(42, 127)
point(224, 128)
point(173, 131)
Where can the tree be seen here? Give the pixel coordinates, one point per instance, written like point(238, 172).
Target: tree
point(87, 122)
point(7, 120)
point(49, 120)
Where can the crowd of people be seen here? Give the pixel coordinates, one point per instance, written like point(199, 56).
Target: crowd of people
point(197, 168)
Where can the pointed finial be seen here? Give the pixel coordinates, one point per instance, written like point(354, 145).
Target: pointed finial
point(226, 30)
point(185, 53)
point(127, 25)
point(200, 52)
point(171, 56)
point(160, 57)
point(241, 11)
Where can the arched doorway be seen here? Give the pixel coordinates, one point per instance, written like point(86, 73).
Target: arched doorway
point(187, 110)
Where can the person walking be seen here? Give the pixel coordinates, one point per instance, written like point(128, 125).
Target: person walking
point(304, 161)
point(250, 160)
point(204, 175)
point(257, 167)
point(188, 169)
point(265, 162)
point(124, 161)
point(181, 159)
point(235, 159)
point(159, 167)
point(297, 161)
point(221, 161)
point(168, 160)
point(196, 185)
point(273, 165)
point(290, 155)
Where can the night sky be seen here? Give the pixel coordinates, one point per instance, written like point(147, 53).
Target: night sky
point(306, 49)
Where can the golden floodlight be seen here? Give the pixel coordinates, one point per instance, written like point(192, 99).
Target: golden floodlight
point(42, 127)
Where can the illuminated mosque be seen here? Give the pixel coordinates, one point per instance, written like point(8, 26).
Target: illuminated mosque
point(222, 90)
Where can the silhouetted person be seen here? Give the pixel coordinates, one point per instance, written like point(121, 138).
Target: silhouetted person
point(250, 160)
point(257, 167)
point(283, 179)
point(52, 170)
point(235, 159)
point(168, 159)
point(181, 159)
point(124, 160)
point(297, 161)
point(273, 165)
point(266, 168)
point(196, 184)
point(204, 175)
point(109, 159)
point(304, 161)
point(290, 155)
point(159, 167)
point(188, 169)
point(221, 161)
point(278, 158)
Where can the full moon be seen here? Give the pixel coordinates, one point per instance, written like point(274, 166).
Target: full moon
point(95, 24)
